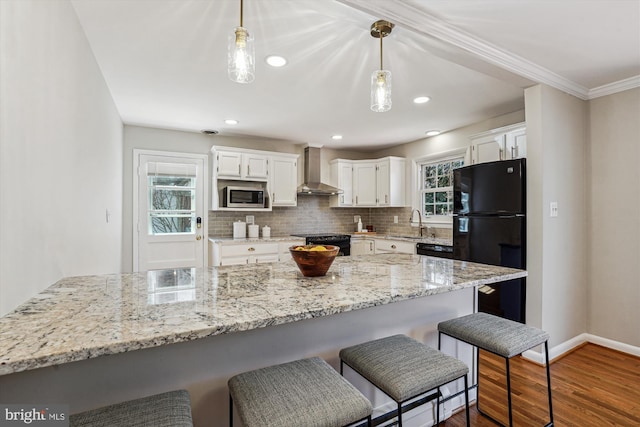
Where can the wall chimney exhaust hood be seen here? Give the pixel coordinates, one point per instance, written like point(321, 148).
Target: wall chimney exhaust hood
point(312, 184)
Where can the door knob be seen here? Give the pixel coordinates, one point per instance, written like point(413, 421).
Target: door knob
point(198, 237)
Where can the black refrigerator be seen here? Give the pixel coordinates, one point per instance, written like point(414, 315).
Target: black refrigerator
point(489, 227)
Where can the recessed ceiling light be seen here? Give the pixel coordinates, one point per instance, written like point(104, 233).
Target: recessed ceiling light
point(231, 122)
point(336, 137)
point(276, 61)
point(421, 99)
point(209, 132)
point(433, 132)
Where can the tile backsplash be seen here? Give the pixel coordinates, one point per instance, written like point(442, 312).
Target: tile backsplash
point(313, 215)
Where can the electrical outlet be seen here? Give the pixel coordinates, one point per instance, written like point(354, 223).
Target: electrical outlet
point(250, 219)
point(395, 219)
point(553, 209)
point(355, 218)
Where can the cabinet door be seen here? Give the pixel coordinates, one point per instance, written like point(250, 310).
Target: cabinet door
point(383, 184)
point(516, 144)
point(256, 166)
point(345, 183)
point(362, 247)
point(364, 184)
point(229, 164)
point(284, 180)
point(487, 149)
point(342, 177)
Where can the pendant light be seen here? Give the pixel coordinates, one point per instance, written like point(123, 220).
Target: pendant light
point(381, 79)
point(241, 56)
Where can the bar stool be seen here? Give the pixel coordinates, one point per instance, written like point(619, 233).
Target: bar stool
point(502, 337)
point(404, 369)
point(170, 409)
point(307, 392)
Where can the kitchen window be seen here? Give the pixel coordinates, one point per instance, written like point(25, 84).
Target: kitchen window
point(436, 188)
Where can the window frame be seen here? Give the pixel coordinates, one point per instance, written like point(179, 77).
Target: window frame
point(449, 157)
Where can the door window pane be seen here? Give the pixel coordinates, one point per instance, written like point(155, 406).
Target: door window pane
point(171, 204)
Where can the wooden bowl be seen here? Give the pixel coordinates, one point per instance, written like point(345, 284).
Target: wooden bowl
point(313, 262)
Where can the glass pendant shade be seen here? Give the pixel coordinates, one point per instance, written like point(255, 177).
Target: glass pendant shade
point(381, 91)
point(241, 58)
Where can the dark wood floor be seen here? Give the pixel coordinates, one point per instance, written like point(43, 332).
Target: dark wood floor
point(591, 386)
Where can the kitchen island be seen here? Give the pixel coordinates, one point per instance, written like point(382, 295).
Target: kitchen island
point(194, 328)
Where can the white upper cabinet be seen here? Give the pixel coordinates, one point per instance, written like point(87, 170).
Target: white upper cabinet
point(369, 183)
point(342, 177)
point(391, 181)
point(284, 180)
point(241, 166)
point(509, 142)
point(364, 183)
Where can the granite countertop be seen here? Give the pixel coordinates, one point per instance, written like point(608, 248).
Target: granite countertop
point(274, 239)
point(86, 317)
point(431, 240)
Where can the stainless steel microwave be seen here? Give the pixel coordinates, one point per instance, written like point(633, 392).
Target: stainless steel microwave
point(243, 197)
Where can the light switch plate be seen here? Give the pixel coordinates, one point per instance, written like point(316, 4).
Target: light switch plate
point(395, 219)
point(250, 219)
point(553, 209)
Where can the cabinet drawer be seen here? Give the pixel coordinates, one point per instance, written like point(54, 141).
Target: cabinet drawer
point(248, 249)
point(393, 246)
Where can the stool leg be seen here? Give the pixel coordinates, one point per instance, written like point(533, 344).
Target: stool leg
point(438, 407)
point(466, 399)
point(341, 366)
point(509, 392)
point(230, 411)
point(546, 353)
point(399, 415)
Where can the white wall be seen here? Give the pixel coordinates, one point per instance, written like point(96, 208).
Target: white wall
point(60, 153)
point(557, 141)
point(614, 227)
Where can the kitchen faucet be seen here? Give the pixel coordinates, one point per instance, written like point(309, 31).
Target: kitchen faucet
point(419, 219)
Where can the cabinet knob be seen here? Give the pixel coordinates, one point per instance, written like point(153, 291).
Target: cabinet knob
point(393, 246)
point(251, 249)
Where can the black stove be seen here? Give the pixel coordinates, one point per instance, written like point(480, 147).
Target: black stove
point(343, 241)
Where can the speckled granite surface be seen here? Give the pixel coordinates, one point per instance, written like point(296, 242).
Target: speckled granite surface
point(86, 317)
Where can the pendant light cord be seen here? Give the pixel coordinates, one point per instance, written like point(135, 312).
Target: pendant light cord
point(381, 37)
point(241, 13)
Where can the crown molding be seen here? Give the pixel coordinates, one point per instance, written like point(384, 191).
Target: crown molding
point(615, 87)
point(422, 22)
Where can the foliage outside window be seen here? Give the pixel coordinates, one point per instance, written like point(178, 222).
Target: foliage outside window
point(436, 187)
point(171, 204)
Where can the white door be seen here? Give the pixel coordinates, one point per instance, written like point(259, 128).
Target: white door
point(170, 224)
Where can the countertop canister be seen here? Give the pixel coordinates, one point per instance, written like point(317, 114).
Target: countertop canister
point(239, 230)
point(266, 232)
point(254, 231)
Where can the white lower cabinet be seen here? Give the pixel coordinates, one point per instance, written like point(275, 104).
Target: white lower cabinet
point(384, 246)
point(363, 246)
point(233, 253)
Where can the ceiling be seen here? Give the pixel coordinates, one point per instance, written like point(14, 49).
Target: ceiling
point(165, 62)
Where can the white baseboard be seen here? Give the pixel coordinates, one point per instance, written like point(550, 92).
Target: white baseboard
point(562, 348)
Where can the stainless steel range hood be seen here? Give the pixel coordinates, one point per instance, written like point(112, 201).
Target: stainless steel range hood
point(312, 184)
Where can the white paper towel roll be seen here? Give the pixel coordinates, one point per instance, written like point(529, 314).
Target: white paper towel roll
point(254, 231)
point(239, 230)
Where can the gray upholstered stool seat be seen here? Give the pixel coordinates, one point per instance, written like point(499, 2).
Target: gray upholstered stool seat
point(503, 337)
point(403, 368)
point(500, 336)
point(171, 409)
point(307, 392)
